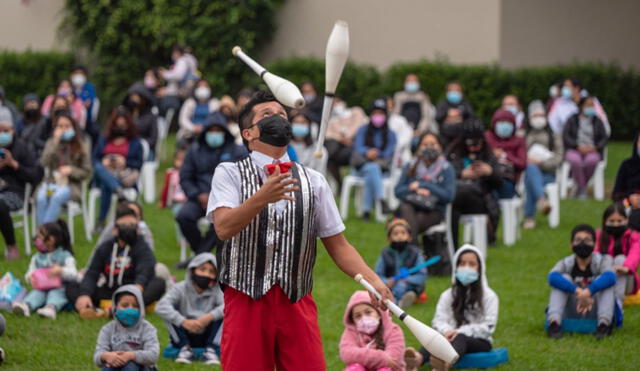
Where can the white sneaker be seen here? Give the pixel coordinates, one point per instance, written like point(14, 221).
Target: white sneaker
point(185, 355)
point(210, 357)
point(407, 299)
point(529, 223)
point(47, 312)
point(21, 308)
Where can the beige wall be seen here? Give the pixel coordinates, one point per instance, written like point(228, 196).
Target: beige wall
point(387, 31)
point(544, 32)
point(30, 26)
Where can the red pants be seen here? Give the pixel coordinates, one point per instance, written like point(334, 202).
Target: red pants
point(270, 332)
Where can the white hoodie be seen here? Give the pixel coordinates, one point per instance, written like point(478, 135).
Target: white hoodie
point(479, 323)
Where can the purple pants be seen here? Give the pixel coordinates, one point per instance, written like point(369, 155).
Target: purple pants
point(582, 166)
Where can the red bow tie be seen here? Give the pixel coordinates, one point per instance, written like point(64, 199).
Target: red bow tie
point(284, 167)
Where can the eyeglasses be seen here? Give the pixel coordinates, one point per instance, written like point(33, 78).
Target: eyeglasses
point(588, 241)
point(473, 142)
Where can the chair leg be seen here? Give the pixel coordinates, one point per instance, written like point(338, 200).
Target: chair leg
point(344, 199)
point(70, 225)
point(480, 233)
point(554, 199)
point(25, 228)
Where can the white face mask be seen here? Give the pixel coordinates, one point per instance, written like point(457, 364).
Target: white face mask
point(538, 122)
point(202, 93)
point(78, 80)
point(340, 110)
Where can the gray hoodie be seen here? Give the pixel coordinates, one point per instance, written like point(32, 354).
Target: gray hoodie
point(184, 302)
point(140, 338)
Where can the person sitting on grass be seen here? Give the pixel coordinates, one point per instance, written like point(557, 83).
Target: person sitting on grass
point(400, 253)
point(192, 310)
point(128, 342)
point(370, 341)
point(617, 240)
point(582, 286)
point(466, 313)
point(55, 260)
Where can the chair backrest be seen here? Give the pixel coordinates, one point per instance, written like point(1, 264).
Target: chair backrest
point(145, 149)
point(95, 109)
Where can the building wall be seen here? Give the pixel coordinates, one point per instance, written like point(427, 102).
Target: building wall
point(30, 24)
point(383, 32)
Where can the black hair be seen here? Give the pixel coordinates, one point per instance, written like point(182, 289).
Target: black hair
point(583, 228)
point(583, 100)
point(466, 298)
point(80, 67)
point(246, 115)
point(125, 293)
point(605, 238)
point(60, 232)
point(412, 170)
point(124, 210)
point(136, 204)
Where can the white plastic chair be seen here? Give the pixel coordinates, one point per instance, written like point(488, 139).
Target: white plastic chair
point(164, 124)
point(357, 182)
point(596, 181)
point(185, 249)
point(511, 217)
point(20, 218)
point(148, 174)
point(95, 109)
point(445, 226)
point(475, 231)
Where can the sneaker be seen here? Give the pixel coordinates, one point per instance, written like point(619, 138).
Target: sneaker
point(407, 299)
point(48, 312)
point(529, 223)
point(185, 355)
point(91, 313)
point(543, 206)
point(554, 331)
point(385, 207)
point(12, 253)
point(603, 330)
point(366, 216)
point(411, 359)
point(21, 308)
point(210, 357)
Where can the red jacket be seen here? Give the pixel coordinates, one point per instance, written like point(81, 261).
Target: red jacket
point(514, 147)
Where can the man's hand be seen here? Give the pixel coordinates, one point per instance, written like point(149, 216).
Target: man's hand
point(203, 199)
point(380, 286)
point(277, 187)
point(83, 302)
point(192, 325)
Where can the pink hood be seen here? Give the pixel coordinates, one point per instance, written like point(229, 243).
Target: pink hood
point(630, 248)
point(356, 348)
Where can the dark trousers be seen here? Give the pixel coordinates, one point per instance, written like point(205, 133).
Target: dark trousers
point(339, 155)
point(419, 220)
point(153, 291)
point(9, 202)
point(129, 366)
point(463, 344)
point(187, 219)
point(469, 202)
point(202, 340)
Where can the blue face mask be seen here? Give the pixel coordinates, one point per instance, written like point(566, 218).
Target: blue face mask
point(466, 276)
point(299, 130)
point(512, 109)
point(454, 96)
point(68, 135)
point(589, 111)
point(128, 317)
point(5, 139)
point(412, 87)
point(504, 129)
point(566, 92)
point(215, 139)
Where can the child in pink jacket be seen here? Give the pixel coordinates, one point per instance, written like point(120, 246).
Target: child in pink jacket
point(370, 340)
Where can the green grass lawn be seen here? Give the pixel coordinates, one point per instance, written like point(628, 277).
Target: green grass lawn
point(517, 274)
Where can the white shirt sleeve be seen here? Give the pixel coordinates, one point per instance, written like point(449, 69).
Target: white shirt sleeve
point(328, 219)
point(225, 188)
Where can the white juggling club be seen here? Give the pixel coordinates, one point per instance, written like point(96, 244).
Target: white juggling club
point(284, 90)
point(431, 340)
point(335, 59)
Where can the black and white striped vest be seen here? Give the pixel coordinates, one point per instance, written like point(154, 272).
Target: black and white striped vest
point(275, 248)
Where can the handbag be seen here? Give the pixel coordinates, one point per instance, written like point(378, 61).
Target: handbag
point(40, 280)
point(421, 202)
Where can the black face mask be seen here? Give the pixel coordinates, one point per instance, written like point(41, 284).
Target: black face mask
point(615, 231)
point(429, 155)
point(399, 245)
point(634, 220)
point(451, 130)
point(583, 250)
point(32, 113)
point(202, 282)
point(275, 130)
point(60, 111)
point(128, 233)
point(118, 132)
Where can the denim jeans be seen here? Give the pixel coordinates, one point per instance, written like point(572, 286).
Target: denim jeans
point(107, 184)
point(49, 201)
point(129, 366)
point(534, 180)
point(180, 337)
point(372, 174)
point(507, 189)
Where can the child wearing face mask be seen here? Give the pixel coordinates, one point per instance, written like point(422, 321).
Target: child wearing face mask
point(370, 341)
point(510, 150)
point(466, 313)
point(49, 267)
point(304, 144)
point(582, 286)
point(128, 342)
point(617, 240)
point(192, 311)
point(399, 254)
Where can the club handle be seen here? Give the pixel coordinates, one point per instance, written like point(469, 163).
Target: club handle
point(255, 66)
point(324, 123)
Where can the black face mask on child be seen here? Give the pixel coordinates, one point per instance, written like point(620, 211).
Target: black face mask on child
point(583, 250)
point(399, 245)
point(128, 233)
point(203, 282)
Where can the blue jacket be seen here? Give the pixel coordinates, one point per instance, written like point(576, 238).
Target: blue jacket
point(87, 93)
point(444, 187)
point(134, 157)
point(359, 144)
point(201, 160)
point(390, 262)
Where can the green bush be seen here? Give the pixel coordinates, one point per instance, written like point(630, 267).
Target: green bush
point(37, 72)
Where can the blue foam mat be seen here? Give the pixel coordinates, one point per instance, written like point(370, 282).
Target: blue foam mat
point(577, 325)
point(171, 352)
point(490, 359)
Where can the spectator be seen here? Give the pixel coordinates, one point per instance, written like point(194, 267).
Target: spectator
point(564, 106)
point(243, 97)
point(511, 103)
point(83, 89)
point(181, 77)
point(303, 143)
point(426, 186)
point(15, 115)
point(313, 102)
point(415, 105)
point(117, 159)
point(214, 145)
point(139, 102)
point(633, 200)
point(18, 167)
point(143, 228)
point(74, 103)
point(628, 176)
point(172, 195)
point(478, 177)
point(452, 112)
point(510, 151)
point(33, 123)
point(341, 130)
point(194, 112)
point(229, 110)
point(584, 140)
point(404, 134)
point(544, 156)
point(374, 147)
point(582, 286)
point(67, 159)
